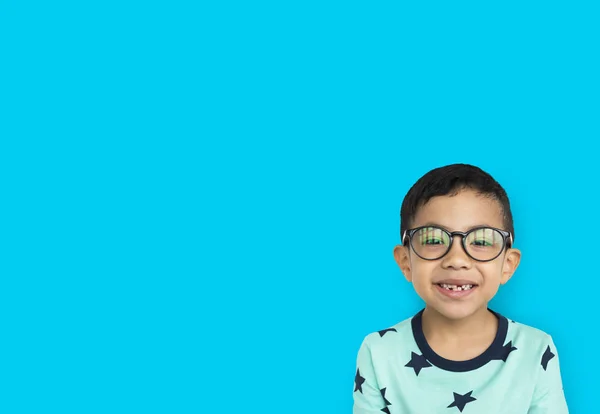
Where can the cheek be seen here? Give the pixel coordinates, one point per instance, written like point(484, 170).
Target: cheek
point(492, 272)
point(423, 272)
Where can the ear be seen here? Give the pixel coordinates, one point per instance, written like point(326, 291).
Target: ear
point(401, 255)
point(512, 258)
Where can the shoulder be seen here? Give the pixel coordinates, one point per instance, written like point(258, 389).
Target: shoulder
point(536, 339)
point(388, 339)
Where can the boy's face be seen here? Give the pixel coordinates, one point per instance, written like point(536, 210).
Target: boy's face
point(461, 212)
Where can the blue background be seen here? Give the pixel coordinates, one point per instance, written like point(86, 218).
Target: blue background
point(200, 201)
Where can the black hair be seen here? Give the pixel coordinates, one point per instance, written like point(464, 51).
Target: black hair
point(449, 180)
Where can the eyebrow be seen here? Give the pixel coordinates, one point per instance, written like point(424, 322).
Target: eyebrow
point(432, 224)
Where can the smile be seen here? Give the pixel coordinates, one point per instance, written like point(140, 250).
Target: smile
point(455, 291)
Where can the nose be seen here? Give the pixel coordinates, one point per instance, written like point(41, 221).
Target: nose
point(456, 258)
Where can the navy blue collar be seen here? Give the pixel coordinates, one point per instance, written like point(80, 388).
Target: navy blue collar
point(492, 352)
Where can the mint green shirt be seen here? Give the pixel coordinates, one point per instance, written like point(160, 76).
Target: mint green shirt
point(398, 373)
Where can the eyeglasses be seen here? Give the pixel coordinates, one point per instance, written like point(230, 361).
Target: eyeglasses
point(482, 244)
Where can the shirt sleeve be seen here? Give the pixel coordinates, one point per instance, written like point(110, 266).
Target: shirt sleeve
point(367, 395)
point(548, 396)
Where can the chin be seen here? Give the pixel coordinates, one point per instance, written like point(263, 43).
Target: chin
point(454, 311)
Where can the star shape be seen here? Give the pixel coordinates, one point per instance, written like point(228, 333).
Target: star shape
point(358, 381)
point(382, 391)
point(505, 351)
point(386, 410)
point(548, 355)
point(417, 362)
point(461, 400)
point(384, 331)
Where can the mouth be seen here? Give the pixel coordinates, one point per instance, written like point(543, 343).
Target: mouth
point(456, 291)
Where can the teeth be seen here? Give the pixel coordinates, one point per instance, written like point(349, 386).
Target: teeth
point(456, 288)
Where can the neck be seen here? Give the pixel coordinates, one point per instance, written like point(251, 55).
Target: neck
point(437, 326)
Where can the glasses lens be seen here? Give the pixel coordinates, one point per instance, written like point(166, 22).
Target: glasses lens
point(484, 244)
point(430, 242)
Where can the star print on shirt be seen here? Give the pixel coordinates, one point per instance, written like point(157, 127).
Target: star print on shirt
point(505, 351)
point(461, 400)
point(382, 391)
point(383, 332)
point(386, 410)
point(548, 355)
point(358, 381)
point(417, 362)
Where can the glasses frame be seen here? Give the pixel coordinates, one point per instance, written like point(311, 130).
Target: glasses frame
point(507, 240)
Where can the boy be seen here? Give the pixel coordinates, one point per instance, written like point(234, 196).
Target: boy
point(456, 355)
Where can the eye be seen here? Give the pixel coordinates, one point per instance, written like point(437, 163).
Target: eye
point(432, 237)
point(481, 243)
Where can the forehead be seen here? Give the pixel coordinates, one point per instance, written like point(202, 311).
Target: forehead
point(460, 212)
